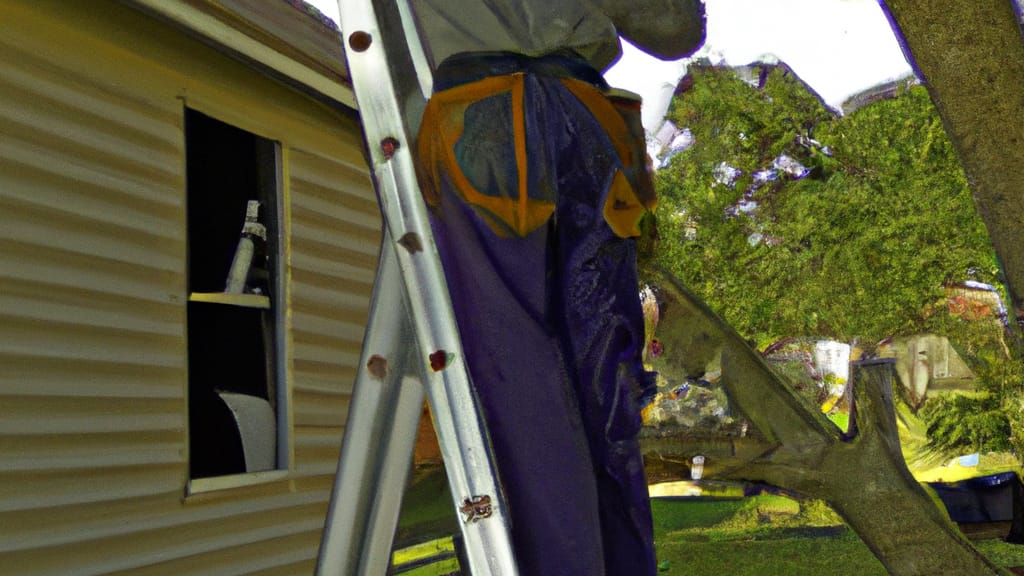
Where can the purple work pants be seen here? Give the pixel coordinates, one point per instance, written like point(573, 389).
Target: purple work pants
point(551, 325)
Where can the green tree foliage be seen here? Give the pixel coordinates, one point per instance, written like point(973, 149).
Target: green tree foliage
point(857, 248)
point(959, 423)
point(991, 418)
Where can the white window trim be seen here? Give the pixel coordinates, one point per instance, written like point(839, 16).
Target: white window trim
point(279, 304)
point(215, 483)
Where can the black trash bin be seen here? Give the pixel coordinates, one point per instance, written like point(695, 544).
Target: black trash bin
point(994, 500)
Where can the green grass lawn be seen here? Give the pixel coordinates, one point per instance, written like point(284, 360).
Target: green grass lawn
point(840, 555)
point(764, 535)
point(427, 510)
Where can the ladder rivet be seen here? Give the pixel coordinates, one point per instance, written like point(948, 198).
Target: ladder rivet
point(476, 508)
point(411, 242)
point(378, 366)
point(439, 360)
point(389, 145)
point(360, 41)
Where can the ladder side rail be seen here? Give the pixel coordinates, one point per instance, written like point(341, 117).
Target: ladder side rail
point(361, 466)
point(372, 63)
point(395, 467)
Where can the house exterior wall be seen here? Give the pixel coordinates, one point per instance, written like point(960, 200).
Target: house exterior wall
point(93, 385)
point(927, 362)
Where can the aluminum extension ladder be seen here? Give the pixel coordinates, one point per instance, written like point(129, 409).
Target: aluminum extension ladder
point(410, 304)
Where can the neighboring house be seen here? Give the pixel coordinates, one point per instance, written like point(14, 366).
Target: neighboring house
point(973, 300)
point(924, 363)
point(928, 362)
point(150, 423)
point(883, 91)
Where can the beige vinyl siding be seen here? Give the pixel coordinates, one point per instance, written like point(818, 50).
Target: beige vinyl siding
point(93, 367)
point(335, 236)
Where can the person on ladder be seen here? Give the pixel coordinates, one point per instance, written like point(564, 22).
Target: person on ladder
point(537, 178)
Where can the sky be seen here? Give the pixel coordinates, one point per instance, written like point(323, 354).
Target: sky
point(838, 47)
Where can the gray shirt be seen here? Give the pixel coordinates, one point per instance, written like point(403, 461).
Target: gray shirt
point(666, 28)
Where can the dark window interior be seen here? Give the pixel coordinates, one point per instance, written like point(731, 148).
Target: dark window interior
point(231, 347)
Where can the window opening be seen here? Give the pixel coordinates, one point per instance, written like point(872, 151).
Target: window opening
point(235, 298)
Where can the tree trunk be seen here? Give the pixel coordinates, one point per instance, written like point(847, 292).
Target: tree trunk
point(861, 474)
point(866, 481)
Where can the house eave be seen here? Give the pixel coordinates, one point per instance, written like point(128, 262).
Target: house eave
point(272, 36)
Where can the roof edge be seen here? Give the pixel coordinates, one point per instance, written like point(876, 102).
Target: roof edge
point(270, 35)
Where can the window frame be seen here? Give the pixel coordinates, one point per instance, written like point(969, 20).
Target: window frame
point(275, 218)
